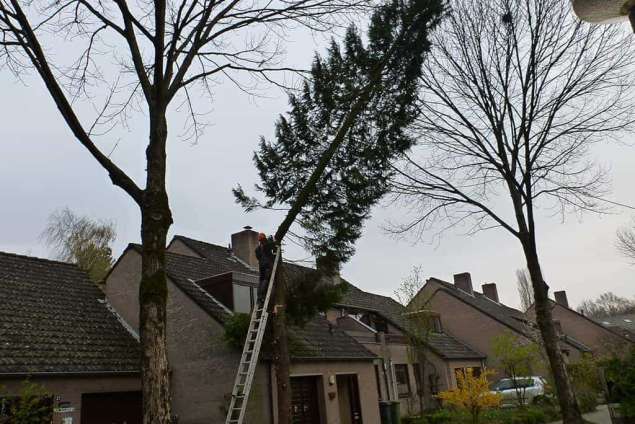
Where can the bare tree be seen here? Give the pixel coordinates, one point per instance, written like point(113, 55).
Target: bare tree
point(410, 286)
point(420, 324)
point(81, 240)
point(525, 291)
point(607, 305)
point(513, 97)
point(158, 52)
point(626, 241)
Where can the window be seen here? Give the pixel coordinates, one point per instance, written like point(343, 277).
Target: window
point(476, 372)
point(403, 380)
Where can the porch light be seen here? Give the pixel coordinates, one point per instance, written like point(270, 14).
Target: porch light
point(605, 11)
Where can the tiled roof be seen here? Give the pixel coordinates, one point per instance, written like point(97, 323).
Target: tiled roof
point(443, 344)
point(219, 255)
point(319, 339)
point(53, 319)
point(313, 341)
point(185, 270)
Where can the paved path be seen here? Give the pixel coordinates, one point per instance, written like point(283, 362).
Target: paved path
point(600, 416)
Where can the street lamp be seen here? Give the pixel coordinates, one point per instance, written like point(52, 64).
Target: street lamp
point(605, 11)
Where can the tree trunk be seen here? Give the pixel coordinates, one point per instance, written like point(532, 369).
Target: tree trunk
point(421, 359)
point(281, 357)
point(156, 219)
point(566, 397)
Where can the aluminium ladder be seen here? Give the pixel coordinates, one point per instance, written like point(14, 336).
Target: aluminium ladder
point(251, 352)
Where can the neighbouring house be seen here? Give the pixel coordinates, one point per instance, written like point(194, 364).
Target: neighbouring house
point(478, 318)
point(332, 375)
point(601, 339)
point(57, 330)
point(379, 323)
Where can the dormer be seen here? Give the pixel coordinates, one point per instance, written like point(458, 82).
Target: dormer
point(236, 290)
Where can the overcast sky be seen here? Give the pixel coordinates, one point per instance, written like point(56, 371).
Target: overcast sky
point(42, 168)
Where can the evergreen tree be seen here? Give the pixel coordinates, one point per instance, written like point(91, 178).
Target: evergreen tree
point(332, 155)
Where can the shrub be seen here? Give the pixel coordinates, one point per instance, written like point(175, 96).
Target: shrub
point(33, 405)
point(620, 376)
point(236, 328)
point(585, 377)
point(472, 395)
point(413, 420)
point(442, 416)
point(528, 415)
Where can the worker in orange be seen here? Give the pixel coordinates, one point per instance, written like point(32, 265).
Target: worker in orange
point(265, 255)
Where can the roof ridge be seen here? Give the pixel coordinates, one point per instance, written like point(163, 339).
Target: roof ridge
point(182, 237)
point(36, 258)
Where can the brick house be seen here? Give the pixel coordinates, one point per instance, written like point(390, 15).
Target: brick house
point(477, 318)
point(332, 376)
point(56, 330)
point(601, 339)
point(378, 323)
point(343, 363)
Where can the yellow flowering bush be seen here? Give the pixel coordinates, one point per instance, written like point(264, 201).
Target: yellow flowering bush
point(472, 394)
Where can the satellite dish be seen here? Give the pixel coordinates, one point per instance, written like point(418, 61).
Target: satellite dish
point(603, 11)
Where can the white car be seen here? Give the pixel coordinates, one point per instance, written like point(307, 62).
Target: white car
point(514, 389)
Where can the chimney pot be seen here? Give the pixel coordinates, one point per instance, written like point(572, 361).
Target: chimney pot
point(463, 281)
point(490, 291)
point(244, 245)
point(561, 298)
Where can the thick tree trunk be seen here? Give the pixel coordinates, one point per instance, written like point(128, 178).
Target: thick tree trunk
point(570, 411)
point(281, 357)
point(156, 219)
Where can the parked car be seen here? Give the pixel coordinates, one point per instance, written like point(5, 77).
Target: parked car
point(527, 388)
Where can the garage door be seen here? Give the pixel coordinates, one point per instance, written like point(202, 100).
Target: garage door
point(111, 408)
point(304, 400)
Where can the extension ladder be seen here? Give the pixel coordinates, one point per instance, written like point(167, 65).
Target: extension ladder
point(249, 358)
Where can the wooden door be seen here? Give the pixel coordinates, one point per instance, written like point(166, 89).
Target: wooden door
point(348, 394)
point(305, 407)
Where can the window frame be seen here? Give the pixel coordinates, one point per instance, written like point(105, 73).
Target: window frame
point(403, 371)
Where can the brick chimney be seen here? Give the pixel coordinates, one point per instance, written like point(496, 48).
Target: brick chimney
point(561, 298)
point(490, 291)
point(244, 245)
point(463, 281)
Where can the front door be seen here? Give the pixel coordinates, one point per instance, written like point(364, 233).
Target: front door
point(305, 407)
point(348, 396)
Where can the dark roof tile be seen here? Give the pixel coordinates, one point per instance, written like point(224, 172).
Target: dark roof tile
point(443, 344)
point(53, 319)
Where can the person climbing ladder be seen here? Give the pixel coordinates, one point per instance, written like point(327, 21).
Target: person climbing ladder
point(266, 256)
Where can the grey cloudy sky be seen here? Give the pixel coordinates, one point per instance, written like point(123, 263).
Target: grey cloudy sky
point(42, 168)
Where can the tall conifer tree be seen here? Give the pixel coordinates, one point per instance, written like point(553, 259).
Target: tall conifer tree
point(332, 155)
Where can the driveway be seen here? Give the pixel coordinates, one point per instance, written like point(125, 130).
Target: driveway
point(600, 416)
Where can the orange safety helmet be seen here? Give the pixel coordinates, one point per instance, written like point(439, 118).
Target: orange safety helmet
point(262, 237)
